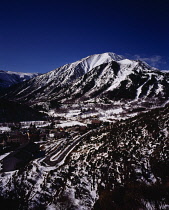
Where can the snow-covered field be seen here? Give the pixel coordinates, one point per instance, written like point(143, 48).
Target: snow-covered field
point(4, 129)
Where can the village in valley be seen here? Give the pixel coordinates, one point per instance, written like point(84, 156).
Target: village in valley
point(21, 142)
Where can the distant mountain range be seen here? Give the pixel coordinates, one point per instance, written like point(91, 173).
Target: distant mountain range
point(9, 78)
point(103, 77)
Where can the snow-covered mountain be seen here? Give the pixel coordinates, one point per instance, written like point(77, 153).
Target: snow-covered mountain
point(8, 78)
point(62, 76)
point(103, 77)
point(70, 72)
point(120, 80)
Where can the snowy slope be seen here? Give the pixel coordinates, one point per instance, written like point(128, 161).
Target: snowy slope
point(8, 78)
point(119, 80)
point(96, 60)
point(120, 166)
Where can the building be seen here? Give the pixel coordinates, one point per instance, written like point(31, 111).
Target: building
point(20, 157)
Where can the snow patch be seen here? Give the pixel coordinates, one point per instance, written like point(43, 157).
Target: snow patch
point(70, 124)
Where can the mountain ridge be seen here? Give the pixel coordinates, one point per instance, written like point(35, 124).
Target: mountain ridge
point(9, 78)
point(102, 77)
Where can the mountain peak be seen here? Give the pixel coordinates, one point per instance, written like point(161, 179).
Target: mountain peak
point(72, 71)
point(114, 56)
point(92, 61)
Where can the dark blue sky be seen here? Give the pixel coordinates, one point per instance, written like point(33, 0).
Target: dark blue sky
point(39, 36)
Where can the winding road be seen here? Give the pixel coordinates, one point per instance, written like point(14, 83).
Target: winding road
point(57, 158)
